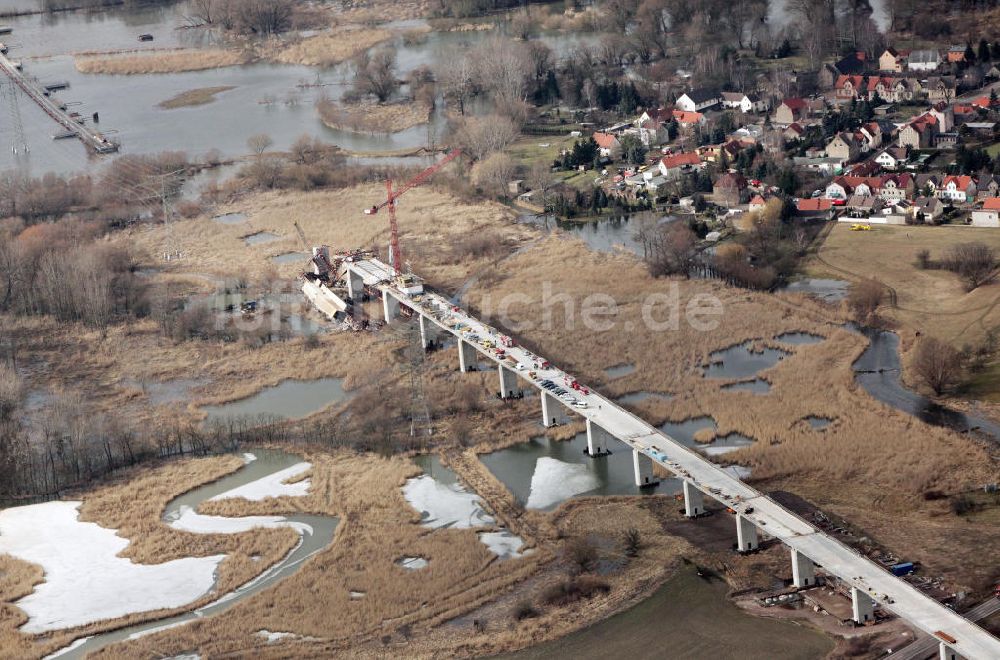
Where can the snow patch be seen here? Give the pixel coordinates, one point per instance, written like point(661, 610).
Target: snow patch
point(413, 563)
point(67, 649)
point(445, 505)
point(85, 580)
point(275, 637)
point(504, 544)
point(249, 458)
point(555, 481)
point(189, 520)
point(273, 485)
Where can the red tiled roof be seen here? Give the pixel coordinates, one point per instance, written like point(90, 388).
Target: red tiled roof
point(992, 204)
point(794, 103)
point(961, 182)
point(817, 204)
point(605, 140)
point(684, 117)
point(680, 160)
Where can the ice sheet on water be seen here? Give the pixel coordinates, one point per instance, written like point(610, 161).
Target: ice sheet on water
point(445, 505)
point(555, 481)
point(85, 579)
point(188, 520)
point(273, 485)
point(504, 544)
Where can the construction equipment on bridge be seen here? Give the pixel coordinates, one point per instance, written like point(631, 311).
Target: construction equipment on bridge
point(395, 258)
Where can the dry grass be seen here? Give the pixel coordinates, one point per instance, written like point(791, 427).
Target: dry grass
point(377, 528)
point(370, 117)
point(847, 465)
point(194, 97)
point(160, 61)
point(133, 506)
point(331, 47)
point(932, 301)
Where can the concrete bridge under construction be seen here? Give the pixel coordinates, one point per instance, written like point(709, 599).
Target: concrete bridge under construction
point(871, 586)
point(93, 140)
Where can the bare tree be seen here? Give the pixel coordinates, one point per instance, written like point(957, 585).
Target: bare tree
point(375, 73)
point(259, 143)
point(975, 262)
point(670, 247)
point(495, 172)
point(455, 73)
point(864, 299)
point(937, 364)
point(481, 136)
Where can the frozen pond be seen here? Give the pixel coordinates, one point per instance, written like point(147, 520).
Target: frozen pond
point(740, 362)
point(263, 473)
point(444, 502)
point(290, 258)
point(601, 235)
point(818, 423)
point(231, 218)
point(619, 371)
point(289, 399)
point(799, 338)
point(757, 386)
point(685, 432)
point(260, 237)
point(413, 563)
point(633, 398)
point(824, 289)
point(543, 473)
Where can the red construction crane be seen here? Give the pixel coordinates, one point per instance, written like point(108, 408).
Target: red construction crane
point(394, 255)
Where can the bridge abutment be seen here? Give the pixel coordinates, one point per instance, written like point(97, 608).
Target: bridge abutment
point(862, 606)
point(643, 466)
point(803, 570)
point(694, 501)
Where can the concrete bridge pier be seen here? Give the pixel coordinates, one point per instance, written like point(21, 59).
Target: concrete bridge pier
point(424, 335)
point(508, 383)
point(390, 306)
point(694, 501)
point(746, 534)
point(803, 570)
point(597, 440)
point(355, 285)
point(643, 466)
point(945, 653)
point(466, 356)
point(862, 606)
point(549, 404)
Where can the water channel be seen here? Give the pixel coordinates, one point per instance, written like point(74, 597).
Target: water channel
point(289, 399)
point(316, 534)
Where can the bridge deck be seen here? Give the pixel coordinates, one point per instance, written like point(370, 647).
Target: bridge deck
point(889, 591)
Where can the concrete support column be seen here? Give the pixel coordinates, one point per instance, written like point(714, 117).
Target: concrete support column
point(466, 356)
point(355, 285)
point(803, 570)
point(746, 534)
point(863, 606)
point(946, 653)
point(643, 466)
point(423, 330)
point(508, 382)
point(694, 501)
point(597, 439)
point(390, 306)
point(549, 404)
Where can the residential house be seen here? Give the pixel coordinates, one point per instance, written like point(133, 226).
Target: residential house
point(923, 60)
point(927, 184)
point(960, 189)
point(946, 140)
point(853, 63)
point(651, 126)
point(863, 206)
point(955, 54)
point(697, 100)
point(728, 188)
point(688, 121)
point(919, 133)
point(745, 103)
point(893, 158)
point(871, 134)
point(608, 145)
point(849, 87)
point(987, 186)
point(794, 131)
point(944, 114)
point(940, 88)
point(815, 208)
point(989, 215)
point(895, 188)
point(892, 60)
point(843, 146)
point(673, 166)
point(928, 209)
point(790, 111)
point(757, 204)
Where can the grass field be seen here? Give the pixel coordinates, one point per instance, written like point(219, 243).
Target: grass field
point(702, 624)
point(193, 97)
point(173, 61)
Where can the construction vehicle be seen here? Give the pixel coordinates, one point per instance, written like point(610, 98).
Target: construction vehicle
point(395, 256)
